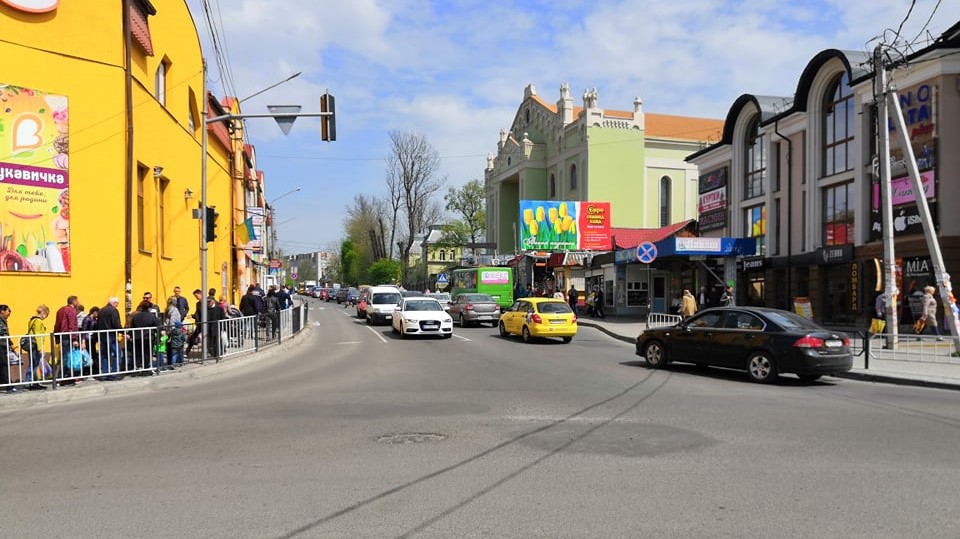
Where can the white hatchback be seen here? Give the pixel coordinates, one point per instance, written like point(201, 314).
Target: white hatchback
point(422, 316)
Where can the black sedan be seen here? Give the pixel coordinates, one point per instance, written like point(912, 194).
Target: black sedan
point(764, 342)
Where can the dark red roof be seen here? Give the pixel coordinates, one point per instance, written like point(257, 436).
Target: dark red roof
point(627, 238)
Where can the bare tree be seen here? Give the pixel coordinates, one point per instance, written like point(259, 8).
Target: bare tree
point(412, 178)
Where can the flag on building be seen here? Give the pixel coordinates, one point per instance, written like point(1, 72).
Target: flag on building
point(244, 231)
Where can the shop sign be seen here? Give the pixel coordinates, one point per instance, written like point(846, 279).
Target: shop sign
point(917, 271)
point(902, 189)
point(835, 254)
point(713, 200)
point(32, 6)
point(709, 245)
point(854, 287)
point(754, 263)
point(713, 179)
point(712, 220)
point(917, 103)
point(906, 221)
point(34, 181)
point(553, 225)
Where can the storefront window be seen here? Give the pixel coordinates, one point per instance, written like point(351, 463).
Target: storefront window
point(756, 226)
point(838, 207)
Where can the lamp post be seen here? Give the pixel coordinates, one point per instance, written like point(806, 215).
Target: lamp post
point(284, 115)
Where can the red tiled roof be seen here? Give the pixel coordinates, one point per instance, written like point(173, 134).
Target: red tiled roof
point(627, 238)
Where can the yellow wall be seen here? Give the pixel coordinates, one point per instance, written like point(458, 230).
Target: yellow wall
point(80, 49)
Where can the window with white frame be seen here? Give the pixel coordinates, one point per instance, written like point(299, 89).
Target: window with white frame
point(160, 82)
point(755, 169)
point(665, 200)
point(838, 205)
point(838, 119)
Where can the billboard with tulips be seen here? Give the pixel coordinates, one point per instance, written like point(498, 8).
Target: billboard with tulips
point(555, 225)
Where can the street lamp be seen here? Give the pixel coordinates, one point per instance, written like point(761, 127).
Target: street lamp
point(272, 202)
point(284, 116)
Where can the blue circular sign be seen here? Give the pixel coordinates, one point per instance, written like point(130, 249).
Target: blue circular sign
point(646, 252)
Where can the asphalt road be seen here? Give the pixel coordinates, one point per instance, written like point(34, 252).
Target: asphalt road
point(356, 433)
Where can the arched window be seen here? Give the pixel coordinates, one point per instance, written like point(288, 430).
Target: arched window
point(755, 171)
point(665, 197)
point(553, 186)
point(443, 255)
point(573, 177)
point(838, 120)
point(453, 255)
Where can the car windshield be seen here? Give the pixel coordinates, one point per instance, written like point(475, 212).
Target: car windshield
point(386, 298)
point(554, 307)
point(788, 320)
point(477, 298)
point(422, 305)
point(441, 297)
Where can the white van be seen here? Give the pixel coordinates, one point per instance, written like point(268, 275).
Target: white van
point(381, 302)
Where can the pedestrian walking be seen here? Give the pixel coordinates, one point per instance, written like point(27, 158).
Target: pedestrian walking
point(727, 299)
point(65, 327)
point(598, 301)
point(930, 311)
point(688, 304)
point(5, 348)
point(182, 304)
point(35, 345)
point(145, 328)
point(573, 298)
point(108, 330)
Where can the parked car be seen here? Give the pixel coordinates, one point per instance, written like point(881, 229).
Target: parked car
point(332, 294)
point(421, 316)
point(347, 294)
point(469, 309)
point(764, 342)
point(443, 297)
point(532, 318)
point(381, 302)
point(318, 292)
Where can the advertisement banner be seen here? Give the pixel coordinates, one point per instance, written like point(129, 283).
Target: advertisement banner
point(34, 181)
point(713, 220)
point(918, 104)
point(906, 221)
point(713, 200)
point(902, 189)
point(709, 181)
point(553, 225)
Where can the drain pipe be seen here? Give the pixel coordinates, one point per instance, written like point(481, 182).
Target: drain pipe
point(128, 90)
point(776, 129)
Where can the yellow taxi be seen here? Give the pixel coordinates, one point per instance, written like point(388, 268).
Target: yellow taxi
point(532, 318)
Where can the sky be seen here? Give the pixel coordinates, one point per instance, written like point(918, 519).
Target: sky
point(455, 70)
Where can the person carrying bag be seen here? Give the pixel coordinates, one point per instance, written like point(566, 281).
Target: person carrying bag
point(878, 323)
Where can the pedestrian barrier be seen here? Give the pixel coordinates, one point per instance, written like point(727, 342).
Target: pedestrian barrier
point(661, 320)
point(909, 347)
point(42, 360)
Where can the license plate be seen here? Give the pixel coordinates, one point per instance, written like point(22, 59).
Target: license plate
point(484, 317)
point(556, 321)
point(388, 316)
point(431, 326)
point(833, 343)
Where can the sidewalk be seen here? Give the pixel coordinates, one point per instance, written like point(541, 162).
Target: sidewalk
point(89, 388)
point(938, 375)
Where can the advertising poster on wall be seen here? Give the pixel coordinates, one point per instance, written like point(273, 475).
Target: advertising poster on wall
point(553, 225)
point(34, 182)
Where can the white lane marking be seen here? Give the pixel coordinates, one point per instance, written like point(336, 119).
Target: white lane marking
point(461, 338)
point(557, 419)
point(377, 333)
point(350, 342)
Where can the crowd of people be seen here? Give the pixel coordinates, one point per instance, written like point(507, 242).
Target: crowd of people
point(97, 342)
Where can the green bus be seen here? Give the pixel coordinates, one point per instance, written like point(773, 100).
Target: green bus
point(498, 282)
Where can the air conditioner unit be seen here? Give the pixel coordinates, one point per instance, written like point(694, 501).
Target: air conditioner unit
point(495, 262)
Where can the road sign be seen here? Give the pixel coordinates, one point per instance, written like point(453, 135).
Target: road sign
point(442, 278)
point(646, 252)
point(293, 273)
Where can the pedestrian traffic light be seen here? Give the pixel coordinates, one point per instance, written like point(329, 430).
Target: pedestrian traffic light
point(328, 123)
point(210, 234)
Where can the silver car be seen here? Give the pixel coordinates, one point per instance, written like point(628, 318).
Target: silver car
point(469, 309)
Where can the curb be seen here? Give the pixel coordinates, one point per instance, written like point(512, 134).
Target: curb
point(631, 340)
point(887, 379)
point(92, 388)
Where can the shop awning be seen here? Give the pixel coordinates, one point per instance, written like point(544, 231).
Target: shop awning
point(567, 259)
point(628, 238)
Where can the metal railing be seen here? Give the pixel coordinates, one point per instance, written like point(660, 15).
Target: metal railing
point(906, 347)
point(661, 320)
point(55, 359)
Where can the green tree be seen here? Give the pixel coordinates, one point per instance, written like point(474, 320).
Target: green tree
point(349, 264)
point(384, 271)
point(469, 204)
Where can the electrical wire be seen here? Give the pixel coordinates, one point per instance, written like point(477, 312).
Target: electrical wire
point(896, 36)
point(926, 24)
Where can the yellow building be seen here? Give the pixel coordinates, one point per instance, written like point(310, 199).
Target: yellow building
point(438, 258)
point(100, 157)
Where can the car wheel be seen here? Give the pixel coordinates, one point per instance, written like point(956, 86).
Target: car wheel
point(655, 355)
point(461, 321)
point(808, 378)
point(525, 335)
point(403, 334)
point(567, 339)
point(761, 368)
point(393, 328)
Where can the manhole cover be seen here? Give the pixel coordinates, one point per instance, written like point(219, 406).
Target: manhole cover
point(410, 438)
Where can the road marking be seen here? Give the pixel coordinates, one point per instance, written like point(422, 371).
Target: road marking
point(350, 342)
point(377, 333)
point(462, 338)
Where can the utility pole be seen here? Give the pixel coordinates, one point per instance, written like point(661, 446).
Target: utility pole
point(886, 192)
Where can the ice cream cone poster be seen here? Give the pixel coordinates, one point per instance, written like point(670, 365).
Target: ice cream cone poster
point(34, 181)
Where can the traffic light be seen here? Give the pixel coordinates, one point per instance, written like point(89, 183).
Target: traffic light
point(328, 124)
point(210, 234)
